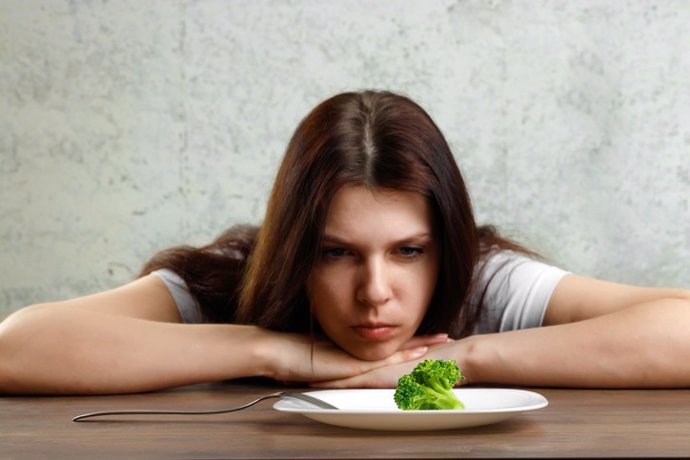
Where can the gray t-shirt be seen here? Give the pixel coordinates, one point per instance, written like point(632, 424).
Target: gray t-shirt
point(517, 290)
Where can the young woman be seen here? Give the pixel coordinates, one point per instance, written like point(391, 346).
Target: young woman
point(368, 260)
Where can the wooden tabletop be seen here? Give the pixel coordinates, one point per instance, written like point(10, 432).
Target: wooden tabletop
point(577, 423)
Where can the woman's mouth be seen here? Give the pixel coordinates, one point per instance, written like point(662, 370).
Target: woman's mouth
point(375, 332)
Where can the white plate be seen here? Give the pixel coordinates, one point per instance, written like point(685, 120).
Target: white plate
point(376, 410)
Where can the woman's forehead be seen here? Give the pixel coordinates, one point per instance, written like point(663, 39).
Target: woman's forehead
point(359, 211)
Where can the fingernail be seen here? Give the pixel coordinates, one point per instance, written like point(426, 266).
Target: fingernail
point(419, 351)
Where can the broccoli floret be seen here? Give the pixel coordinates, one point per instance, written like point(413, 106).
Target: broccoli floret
point(429, 386)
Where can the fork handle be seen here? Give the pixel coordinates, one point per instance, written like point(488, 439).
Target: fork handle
point(82, 417)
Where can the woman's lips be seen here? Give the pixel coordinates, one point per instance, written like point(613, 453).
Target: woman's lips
point(375, 332)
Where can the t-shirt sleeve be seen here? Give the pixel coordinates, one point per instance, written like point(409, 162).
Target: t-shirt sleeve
point(516, 291)
point(187, 306)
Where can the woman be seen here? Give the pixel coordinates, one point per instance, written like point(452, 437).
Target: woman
point(368, 260)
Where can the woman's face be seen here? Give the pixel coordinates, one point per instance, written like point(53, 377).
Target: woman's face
point(377, 270)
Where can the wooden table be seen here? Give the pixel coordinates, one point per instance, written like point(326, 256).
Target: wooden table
point(577, 423)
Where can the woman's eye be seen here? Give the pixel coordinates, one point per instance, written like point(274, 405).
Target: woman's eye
point(411, 251)
point(335, 253)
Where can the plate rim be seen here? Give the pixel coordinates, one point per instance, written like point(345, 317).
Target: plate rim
point(540, 402)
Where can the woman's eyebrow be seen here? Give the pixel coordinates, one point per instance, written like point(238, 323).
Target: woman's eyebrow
point(420, 237)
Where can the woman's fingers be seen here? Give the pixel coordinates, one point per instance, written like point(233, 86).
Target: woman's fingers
point(324, 361)
point(402, 356)
point(385, 374)
point(382, 377)
point(426, 340)
point(412, 351)
point(331, 363)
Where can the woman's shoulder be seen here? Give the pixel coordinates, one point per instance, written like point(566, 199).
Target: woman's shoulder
point(505, 263)
point(187, 306)
point(512, 290)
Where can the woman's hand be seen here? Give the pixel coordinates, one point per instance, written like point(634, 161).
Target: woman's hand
point(296, 358)
point(387, 376)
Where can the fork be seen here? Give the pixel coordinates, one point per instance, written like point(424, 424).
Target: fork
point(302, 399)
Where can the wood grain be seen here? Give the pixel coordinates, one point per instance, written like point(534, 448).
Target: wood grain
point(577, 423)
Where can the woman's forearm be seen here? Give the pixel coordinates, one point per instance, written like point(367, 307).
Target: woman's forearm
point(646, 345)
point(45, 350)
point(48, 350)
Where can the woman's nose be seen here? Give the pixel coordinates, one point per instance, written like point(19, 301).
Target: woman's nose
point(374, 288)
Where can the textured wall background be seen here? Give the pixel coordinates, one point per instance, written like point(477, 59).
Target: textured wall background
point(128, 126)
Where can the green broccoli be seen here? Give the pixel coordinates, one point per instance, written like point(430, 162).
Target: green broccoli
point(429, 386)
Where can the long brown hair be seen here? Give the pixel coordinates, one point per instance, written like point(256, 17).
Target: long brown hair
point(374, 139)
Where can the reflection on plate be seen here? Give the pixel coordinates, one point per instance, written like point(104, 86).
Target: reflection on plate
point(376, 410)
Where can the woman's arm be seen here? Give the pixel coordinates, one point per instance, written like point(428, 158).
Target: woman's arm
point(599, 334)
point(596, 334)
point(129, 339)
point(124, 340)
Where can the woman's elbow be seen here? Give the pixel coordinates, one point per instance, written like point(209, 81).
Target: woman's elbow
point(15, 333)
point(6, 354)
